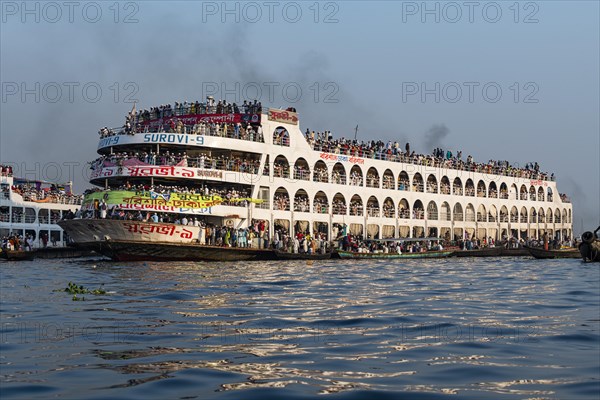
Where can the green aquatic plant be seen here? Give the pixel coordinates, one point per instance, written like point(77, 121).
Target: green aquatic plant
point(75, 290)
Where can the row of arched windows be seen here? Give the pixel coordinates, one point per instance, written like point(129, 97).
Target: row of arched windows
point(416, 183)
point(355, 206)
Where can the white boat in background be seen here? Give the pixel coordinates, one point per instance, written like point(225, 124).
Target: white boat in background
point(31, 208)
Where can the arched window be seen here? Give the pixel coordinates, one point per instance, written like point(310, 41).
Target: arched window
point(523, 192)
point(503, 191)
point(320, 203)
point(320, 172)
point(481, 191)
point(481, 214)
point(493, 190)
point(338, 175)
point(523, 216)
point(301, 170)
point(445, 214)
point(532, 192)
point(403, 209)
point(281, 200)
point(457, 188)
point(281, 137)
point(503, 214)
point(339, 205)
point(445, 185)
point(432, 211)
point(514, 214)
point(418, 210)
point(432, 186)
point(541, 196)
point(388, 208)
point(301, 202)
point(417, 184)
point(356, 176)
point(470, 213)
point(492, 214)
point(387, 182)
point(457, 213)
point(356, 206)
point(373, 207)
point(403, 181)
point(372, 178)
point(469, 188)
point(281, 167)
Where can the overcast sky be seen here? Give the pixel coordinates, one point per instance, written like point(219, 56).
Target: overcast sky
point(497, 80)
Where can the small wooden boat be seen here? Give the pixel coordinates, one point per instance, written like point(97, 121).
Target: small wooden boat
point(486, 252)
point(283, 255)
point(590, 247)
point(562, 253)
point(493, 252)
point(394, 256)
point(514, 252)
point(17, 255)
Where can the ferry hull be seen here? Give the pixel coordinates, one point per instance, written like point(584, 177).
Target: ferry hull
point(162, 252)
point(123, 240)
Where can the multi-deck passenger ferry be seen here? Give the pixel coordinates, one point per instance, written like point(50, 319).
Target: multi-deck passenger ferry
point(30, 209)
point(175, 175)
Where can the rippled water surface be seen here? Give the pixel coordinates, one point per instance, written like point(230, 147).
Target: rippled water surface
point(456, 328)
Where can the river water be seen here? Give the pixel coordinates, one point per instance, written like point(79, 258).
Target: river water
point(437, 329)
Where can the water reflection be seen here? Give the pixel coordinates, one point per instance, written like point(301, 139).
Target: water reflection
point(489, 328)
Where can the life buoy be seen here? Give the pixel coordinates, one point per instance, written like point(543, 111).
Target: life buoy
point(588, 237)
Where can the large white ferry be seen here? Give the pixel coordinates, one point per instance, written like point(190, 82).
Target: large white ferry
point(31, 209)
point(247, 168)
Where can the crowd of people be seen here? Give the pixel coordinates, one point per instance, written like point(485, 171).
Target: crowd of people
point(53, 194)
point(357, 244)
point(239, 130)
point(392, 151)
point(196, 108)
point(6, 170)
point(18, 242)
point(139, 122)
point(182, 159)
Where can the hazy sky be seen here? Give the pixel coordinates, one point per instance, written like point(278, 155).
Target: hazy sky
point(497, 80)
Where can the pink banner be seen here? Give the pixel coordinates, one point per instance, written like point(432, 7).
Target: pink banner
point(193, 119)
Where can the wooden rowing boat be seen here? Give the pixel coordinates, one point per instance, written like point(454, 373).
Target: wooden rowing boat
point(393, 256)
point(545, 254)
point(282, 255)
point(17, 255)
